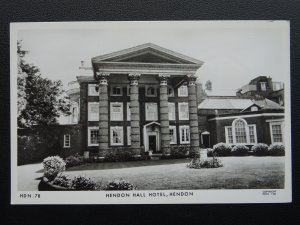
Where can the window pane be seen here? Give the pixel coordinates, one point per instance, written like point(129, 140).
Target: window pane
point(183, 111)
point(93, 111)
point(171, 111)
point(117, 135)
point(240, 132)
point(229, 135)
point(116, 111)
point(94, 136)
point(183, 91)
point(277, 134)
point(251, 134)
point(116, 91)
point(151, 111)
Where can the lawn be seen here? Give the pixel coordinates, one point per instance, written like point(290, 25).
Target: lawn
point(237, 173)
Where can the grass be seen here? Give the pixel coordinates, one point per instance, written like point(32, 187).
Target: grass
point(237, 173)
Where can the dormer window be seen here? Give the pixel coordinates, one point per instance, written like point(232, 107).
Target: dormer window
point(263, 86)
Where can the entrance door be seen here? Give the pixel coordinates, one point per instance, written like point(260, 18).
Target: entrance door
point(205, 139)
point(152, 143)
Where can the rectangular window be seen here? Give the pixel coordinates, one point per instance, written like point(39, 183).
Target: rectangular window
point(184, 134)
point(116, 111)
point(93, 111)
point(150, 91)
point(263, 86)
point(276, 133)
point(151, 111)
point(92, 90)
point(128, 135)
point(228, 135)
point(116, 136)
point(183, 91)
point(172, 111)
point(183, 109)
point(252, 134)
point(128, 112)
point(67, 141)
point(93, 136)
point(116, 91)
point(172, 130)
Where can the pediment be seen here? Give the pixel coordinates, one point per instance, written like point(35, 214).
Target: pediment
point(146, 53)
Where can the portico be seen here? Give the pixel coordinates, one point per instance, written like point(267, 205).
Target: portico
point(147, 95)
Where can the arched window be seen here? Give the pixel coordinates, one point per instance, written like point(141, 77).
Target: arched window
point(240, 131)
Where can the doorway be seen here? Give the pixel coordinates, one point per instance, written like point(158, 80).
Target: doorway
point(152, 143)
point(205, 137)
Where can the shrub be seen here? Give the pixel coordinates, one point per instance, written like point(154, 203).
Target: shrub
point(210, 152)
point(124, 155)
point(277, 150)
point(260, 149)
point(62, 181)
point(240, 150)
point(208, 163)
point(177, 152)
point(120, 185)
point(53, 165)
point(74, 160)
point(83, 183)
point(222, 149)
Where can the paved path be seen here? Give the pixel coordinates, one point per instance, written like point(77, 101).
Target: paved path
point(28, 177)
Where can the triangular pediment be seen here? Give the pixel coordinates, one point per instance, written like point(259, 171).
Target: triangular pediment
point(146, 53)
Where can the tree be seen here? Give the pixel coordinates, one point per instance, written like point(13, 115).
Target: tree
point(40, 100)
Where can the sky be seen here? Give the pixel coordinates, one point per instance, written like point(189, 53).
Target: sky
point(233, 52)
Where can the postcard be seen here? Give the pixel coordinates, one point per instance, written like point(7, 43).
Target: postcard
point(156, 112)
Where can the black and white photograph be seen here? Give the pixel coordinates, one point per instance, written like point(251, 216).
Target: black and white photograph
point(150, 112)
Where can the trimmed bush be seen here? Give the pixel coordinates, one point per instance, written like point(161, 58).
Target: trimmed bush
point(210, 152)
point(208, 163)
point(178, 152)
point(119, 155)
point(277, 150)
point(62, 180)
point(240, 150)
point(53, 165)
point(119, 185)
point(83, 183)
point(222, 149)
point(260, 149)
point(74, 160)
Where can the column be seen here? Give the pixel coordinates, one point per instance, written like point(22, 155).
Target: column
point(193, 114)
point(164, 114)
point(135, 113)
point(103, 112)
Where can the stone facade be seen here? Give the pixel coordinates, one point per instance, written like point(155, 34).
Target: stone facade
point(134, 96)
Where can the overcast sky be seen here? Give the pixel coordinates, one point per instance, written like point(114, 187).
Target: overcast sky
point(232, 55)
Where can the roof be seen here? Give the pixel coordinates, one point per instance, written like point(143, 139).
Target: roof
point(225, 103)
point(148, 47)
point(267, 104)
point(231, 103)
